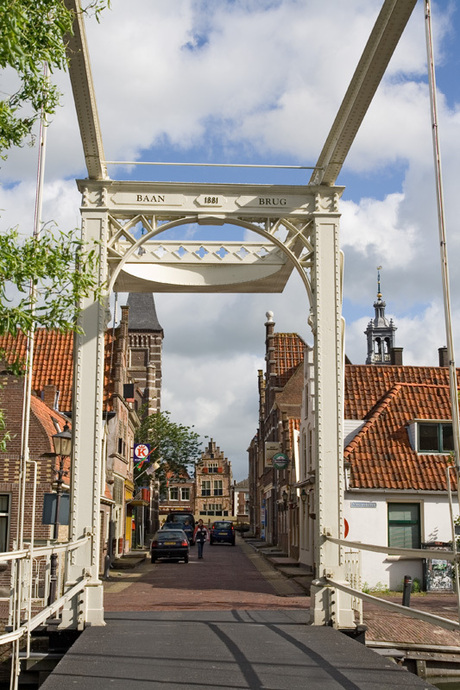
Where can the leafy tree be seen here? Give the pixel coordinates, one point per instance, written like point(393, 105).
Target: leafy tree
point(33, 33)
point(61, 267)
point(174, 447)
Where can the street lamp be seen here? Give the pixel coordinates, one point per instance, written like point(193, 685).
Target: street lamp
point(62, 444)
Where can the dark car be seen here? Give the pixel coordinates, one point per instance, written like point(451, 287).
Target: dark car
point(222, 531)
point(184, 521)
point(170, 543)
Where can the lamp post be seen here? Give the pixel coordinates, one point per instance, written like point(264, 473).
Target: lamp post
point(62, 444)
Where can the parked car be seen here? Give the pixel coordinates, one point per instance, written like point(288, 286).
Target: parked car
point(170, 543)
point(185, 521)
point(222, 531)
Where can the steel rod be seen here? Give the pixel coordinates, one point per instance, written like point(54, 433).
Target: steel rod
point(213, 165)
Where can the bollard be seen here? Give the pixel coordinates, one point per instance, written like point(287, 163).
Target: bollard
point(107, 564)
point(407, 590)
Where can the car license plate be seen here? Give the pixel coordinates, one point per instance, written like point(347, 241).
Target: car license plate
point(169, 543)
point(223, 533)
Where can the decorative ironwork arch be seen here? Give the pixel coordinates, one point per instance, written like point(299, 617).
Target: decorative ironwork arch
point(303, 263)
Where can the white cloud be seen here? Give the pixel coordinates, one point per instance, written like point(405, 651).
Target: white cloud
point(218, 396)
point(374, 226)
point(61, 202)
point(255, 81)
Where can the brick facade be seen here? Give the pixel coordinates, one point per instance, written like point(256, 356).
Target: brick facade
point(213, 480)
point(274, 510)
point(44, 423)
point(52, 385)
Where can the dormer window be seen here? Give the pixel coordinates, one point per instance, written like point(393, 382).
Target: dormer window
point(435, 437)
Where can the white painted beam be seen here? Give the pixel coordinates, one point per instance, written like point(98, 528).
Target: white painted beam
point(381, 45)
point(84, 96)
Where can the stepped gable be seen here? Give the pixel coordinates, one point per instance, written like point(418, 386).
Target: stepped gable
point(389, 398)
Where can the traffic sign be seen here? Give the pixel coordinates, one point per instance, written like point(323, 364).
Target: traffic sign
point(141, 451)
point(280, 461)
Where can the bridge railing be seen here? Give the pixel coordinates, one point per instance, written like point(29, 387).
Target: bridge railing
point(30, 586)
point(356, 592)
point(353, 576)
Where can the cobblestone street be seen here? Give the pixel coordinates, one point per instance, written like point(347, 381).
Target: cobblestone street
point(227, 578)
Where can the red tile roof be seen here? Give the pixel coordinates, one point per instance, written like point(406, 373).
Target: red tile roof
point(288, 354)
point(51, 422)
point(53, 361)
point(294, 425)
point(388, 399)
point(365, 385)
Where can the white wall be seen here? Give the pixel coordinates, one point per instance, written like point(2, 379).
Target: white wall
point(366, 514)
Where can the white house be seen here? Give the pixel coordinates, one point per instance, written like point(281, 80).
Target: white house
point(395, 467)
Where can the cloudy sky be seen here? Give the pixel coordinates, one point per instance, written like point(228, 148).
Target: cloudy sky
point(260, 82)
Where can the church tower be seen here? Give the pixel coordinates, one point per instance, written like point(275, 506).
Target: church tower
point(380, 332)
point(145, 349)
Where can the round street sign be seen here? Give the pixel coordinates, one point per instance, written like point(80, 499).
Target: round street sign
point(280, 461)
point(141, 451)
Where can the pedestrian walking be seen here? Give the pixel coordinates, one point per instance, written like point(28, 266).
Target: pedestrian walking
point(200, 535)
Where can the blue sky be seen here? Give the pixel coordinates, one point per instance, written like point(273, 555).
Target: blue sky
point(260, 82)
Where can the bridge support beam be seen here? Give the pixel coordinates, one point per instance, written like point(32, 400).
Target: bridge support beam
point(87, 428)
point(327, 607)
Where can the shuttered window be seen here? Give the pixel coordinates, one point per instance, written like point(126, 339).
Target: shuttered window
point(404, 525)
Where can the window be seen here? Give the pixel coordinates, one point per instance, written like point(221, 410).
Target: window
point(4, 521)
point(118, 490)
point(185, 494)
point(212, 467)
point(206, 487)
point(435, 437)
point(212, 509)
point(218, 488)
point(404, 525)
point(174, 493)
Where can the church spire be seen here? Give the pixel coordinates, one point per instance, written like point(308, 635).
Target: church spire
point(380, 331)
point(379, 294)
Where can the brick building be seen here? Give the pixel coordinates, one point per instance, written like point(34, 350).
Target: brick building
point(179, 494)
point(125, 394)
point(213, 480)
point(44, 423)
point(274, 509)
point(240, 492)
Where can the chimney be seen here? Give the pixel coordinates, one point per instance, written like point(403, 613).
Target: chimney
point(443, 357)
point(397, 356)
point(269, 347)
point(50, 395)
